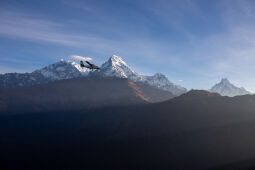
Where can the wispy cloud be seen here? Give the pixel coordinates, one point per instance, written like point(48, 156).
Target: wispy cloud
point(17, 25)
point(77, 57)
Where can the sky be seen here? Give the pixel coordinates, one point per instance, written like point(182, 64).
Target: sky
point(194, 43)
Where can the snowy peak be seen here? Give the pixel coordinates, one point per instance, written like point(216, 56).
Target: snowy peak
point(117, 61)
point(225, 88)
point(63, 70)
point(225, 81)
point(161, 77)
point(161, 81)
point(117, 67)
point(58, 71)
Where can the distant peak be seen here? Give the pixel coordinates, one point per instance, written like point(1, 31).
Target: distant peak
point(225, 80)
point(225, 88)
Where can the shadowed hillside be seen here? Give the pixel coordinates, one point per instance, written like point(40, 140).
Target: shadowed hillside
point(76, 94)
point(197, 130)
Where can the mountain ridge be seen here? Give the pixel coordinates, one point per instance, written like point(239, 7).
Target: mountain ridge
point(115, 66)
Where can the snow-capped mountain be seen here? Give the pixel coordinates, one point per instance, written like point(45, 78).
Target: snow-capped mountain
point(159, 80)
point(116, 66)
point(57, 71)
point(63, 70)
point(11, 80)
point(225, 88)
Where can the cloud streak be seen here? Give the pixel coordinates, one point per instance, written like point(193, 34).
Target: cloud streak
point(19, 25)
point(76, 57)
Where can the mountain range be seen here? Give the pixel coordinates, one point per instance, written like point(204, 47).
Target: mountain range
point(114, 67)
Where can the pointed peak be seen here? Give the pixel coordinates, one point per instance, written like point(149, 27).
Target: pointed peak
point(115, 58)
point(225, 88)
point(225, 80)
point(115, 61)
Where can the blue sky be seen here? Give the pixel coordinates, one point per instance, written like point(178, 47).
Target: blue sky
point(194, 42)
